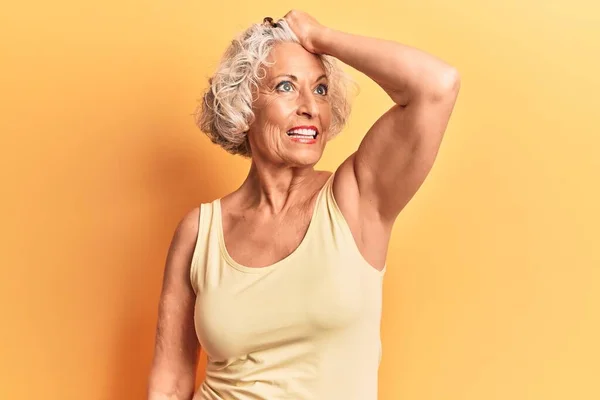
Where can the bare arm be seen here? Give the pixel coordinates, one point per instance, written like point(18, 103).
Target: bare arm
point(173, 372)
point(399, 150)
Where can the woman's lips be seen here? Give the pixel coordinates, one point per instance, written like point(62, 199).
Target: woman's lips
point(303, 140)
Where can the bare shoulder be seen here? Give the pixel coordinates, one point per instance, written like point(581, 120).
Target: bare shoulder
point(186, 232)
point(371, 233)
point(179, 256)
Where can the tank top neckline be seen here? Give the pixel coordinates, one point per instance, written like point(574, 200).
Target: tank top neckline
point(243, 268)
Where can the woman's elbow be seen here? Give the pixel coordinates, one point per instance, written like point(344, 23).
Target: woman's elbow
point(165, 385)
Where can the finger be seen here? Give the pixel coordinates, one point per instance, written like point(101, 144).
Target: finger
point(287, 20)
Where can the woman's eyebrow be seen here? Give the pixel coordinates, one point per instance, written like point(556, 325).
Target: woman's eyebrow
point(295, 78)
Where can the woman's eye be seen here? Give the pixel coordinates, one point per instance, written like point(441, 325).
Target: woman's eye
point(324, 88)
point(285, 85)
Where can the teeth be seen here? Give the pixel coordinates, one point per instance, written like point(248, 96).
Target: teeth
point(303, 132)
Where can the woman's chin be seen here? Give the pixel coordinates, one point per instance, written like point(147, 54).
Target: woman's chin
point(306, 156)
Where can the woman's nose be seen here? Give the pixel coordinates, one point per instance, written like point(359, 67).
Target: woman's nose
point(307, 105)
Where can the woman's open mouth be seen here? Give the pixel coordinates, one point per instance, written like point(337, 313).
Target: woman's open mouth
point(305, 135)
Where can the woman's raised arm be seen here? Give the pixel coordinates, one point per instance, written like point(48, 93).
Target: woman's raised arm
point(399, 150)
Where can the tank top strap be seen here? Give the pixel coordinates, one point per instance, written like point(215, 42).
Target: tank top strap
point(201, 249)
point(338, 228)
point(331, 211)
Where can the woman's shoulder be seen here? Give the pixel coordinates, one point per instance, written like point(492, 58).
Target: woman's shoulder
point(186, 232)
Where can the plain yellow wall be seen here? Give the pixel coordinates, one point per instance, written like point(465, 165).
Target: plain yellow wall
point(493, 287)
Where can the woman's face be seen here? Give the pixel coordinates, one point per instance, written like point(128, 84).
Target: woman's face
point(293, 94)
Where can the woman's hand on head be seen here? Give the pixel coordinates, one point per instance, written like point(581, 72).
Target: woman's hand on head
point(306, 28)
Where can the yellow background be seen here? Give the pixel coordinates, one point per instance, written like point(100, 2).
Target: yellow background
point(493, 287)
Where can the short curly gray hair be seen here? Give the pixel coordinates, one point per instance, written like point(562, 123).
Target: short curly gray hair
point(225, 112)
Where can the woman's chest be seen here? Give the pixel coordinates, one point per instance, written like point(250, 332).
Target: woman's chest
point(294, 302)
point(259, 244)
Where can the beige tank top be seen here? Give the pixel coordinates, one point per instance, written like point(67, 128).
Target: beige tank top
point(305, 327)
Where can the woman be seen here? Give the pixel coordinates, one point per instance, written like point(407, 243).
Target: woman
point(280, 281)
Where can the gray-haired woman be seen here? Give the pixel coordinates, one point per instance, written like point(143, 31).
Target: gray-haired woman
point(280, 281)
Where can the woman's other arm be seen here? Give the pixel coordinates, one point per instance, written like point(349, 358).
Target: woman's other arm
point(399, 150)
point(173, 371)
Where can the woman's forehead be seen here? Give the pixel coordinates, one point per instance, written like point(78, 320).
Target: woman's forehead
point(293, 59)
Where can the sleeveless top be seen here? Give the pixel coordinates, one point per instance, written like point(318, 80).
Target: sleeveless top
point(305, 327)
